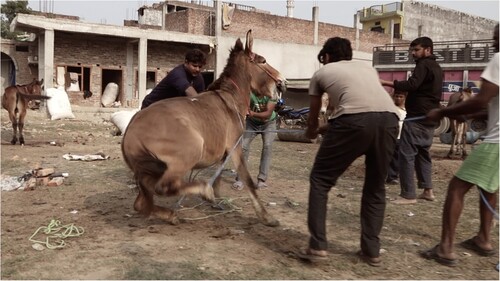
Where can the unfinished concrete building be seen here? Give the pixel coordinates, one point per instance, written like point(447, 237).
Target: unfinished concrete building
point(139, 54)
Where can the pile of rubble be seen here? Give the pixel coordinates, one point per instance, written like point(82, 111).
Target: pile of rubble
point(32, 179)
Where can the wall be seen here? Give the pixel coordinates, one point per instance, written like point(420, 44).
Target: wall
point(294, 61)
point(299, 31)
point(24, 72)
point(443, 24)
point(110, 53)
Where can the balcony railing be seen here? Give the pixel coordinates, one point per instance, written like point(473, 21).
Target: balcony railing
point(381, 10)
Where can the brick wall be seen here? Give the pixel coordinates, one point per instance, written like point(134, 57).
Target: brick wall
point(272, 27)
point(289, 30)
point(99, 53)
point(25, 72)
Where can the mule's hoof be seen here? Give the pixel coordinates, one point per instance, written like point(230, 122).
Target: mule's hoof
point(13, 141)
point(208, 194)
point(174, 221)
point(271, 222)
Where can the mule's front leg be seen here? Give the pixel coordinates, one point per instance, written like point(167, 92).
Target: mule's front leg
point(244, 175)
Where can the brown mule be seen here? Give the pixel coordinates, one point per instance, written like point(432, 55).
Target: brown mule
point(171, 137)
point(15, 100)
point(459, 127)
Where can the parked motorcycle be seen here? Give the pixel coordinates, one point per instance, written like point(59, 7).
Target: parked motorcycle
point(289, 117)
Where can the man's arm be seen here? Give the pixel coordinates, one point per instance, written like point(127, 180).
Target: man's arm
point(264, 115)
point(191, 92)
point(473, 105)
point(312, 119)
point(387, 83)
point(416, 79)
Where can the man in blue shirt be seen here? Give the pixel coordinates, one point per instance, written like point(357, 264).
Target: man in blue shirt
point(183, 80)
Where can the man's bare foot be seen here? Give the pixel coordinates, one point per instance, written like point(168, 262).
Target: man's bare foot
point(427, 195)
point(404, 201)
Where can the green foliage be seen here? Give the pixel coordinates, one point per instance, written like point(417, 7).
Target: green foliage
point(9, 11)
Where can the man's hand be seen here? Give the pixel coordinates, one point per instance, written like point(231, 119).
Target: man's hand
point(434, 115)
point(322, 130)
point(311, 132)
point(387, 83)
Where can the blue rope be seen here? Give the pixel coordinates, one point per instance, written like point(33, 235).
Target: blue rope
point(414, 119)
point(487, 204)
point(276, 131)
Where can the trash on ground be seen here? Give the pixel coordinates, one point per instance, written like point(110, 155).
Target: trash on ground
point(11, 183)
point(86, 157)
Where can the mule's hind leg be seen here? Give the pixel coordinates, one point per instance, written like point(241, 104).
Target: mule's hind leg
point(144, 204)
point(244, 175)
point(20, 125)
point(13, 120)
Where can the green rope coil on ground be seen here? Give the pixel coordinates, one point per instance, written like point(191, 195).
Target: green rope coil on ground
point(56, 233)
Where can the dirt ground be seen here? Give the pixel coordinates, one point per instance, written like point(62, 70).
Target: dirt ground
point(209, 244)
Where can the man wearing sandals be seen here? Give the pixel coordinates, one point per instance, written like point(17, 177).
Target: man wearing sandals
point(365, 122)
point(479, 169)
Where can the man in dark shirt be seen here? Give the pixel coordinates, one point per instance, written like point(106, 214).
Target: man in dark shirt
point(424, 89)
point(183, 80)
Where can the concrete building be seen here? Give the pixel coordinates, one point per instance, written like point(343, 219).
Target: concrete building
point(410, 19)
point(137, 55)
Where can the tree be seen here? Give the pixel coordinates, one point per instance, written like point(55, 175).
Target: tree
point(9, 11)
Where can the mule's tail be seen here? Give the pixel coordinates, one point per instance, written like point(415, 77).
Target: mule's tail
point(151, 166)
point(32, 97)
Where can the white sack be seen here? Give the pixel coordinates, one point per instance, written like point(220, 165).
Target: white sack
point(58, 104)
point(122, 118)
point(109, 95)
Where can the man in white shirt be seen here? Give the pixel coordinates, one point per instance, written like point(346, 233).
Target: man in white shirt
point(480, 168)
point(364, 122)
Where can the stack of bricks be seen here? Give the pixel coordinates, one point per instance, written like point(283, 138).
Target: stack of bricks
point(44, 177)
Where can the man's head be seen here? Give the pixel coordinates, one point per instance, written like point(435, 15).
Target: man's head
point(421, 47)
point(335, 49)
point(399, 98)
point(495, 38)
point(194, 61)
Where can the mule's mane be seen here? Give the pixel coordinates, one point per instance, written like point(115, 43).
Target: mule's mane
point(231, 71)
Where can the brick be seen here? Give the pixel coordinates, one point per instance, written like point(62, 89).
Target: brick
point(30, 184)
point(56, 181)
point(42, 181)
point(44, 172)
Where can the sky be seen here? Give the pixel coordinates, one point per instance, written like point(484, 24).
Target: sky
point(330, 11)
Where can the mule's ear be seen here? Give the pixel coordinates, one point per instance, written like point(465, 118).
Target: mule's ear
point(41, 82)
point(249, 44)
point(238, 46)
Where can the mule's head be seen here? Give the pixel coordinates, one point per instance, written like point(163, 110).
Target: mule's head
point(35, 87)
point(265, 79)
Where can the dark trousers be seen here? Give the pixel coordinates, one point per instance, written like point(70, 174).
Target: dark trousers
point(393, 172)
point(415, 158)
point(348, 137)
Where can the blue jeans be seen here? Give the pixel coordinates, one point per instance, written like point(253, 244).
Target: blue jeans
point(414, 156)
point(268, 132)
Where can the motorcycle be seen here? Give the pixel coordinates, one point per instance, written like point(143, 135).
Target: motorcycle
point(289, 118)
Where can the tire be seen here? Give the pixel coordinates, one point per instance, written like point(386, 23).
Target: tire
point(444, 126)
